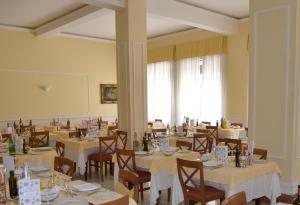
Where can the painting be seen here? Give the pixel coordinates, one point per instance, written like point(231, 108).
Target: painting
point(108, 93)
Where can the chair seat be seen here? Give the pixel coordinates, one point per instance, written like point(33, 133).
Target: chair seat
point(144, 176)
point(97, 157)
point(210, 194)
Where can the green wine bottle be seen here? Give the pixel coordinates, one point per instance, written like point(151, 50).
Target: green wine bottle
point(11, 146)
point(13, 188)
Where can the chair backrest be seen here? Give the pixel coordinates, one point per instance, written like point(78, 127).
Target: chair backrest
point(5, 137)
point(150, 124)
point(124, 200)
point(200, 130)
point(213, 131)
point(236, 124)
point(158, 120)
point(39, 139)
point(160, 130)
point(111, 130)
point(181, 144)
point(230, 143)
point(189, 173)
point(236, 199)
point(130, 180)
point(126, 159)
point(82, 130)
point(65, 166)
point(108, 145)
point(206, 122)
point(122, 137)
point(74, 134)
point(262, 153)
point(30, 128)
point(60, 148)
point(201, 143)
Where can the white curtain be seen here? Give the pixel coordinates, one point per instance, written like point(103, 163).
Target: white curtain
point(199, 88)
point(160, 89)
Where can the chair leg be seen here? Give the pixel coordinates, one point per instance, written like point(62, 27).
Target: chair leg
point(105, 168)
point(90, 169)
point(142, 192)
point(86, 171)
point(257, 201)
point(96, 167)
point(101, 172)
point(169, 194)
point(111, 168)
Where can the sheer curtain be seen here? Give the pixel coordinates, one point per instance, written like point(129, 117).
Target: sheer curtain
point(199, 88)
point(160, 89)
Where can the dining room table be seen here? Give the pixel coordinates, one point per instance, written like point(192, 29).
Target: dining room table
point(161, 167)
point(260, 179)
point(67, 194)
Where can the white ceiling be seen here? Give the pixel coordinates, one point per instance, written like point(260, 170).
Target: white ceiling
point(105, 27)
point(234, 8)
point(34, 13)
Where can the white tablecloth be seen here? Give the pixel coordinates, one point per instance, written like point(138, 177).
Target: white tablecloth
point(79, 157)
point(266, 185)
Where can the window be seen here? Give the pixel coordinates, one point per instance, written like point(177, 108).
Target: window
point(192, 88)
point(159, 86)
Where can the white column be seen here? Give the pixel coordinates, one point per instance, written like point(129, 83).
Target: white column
point(131, 67)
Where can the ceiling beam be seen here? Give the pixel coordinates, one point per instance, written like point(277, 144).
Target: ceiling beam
point(71, 19)
point(110, 4)
point(193, 16)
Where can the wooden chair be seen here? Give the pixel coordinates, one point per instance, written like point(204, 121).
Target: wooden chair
point(60, 148)
point(120, 201)
point(192, 189)
point(201, 143)
point(74, 134)
point(111, 130)
point(107, 148)
point(130, 180)
point(126, 161)
point(236, 199)
point(39, 139)
point(231, 144)
point(5, 137)
point(236, 124)
point(158, 120)
point(181, 144)
point(206, 123)
point(213, 131)
point(158, 131)
point(262, 153)
point(122, 137)
point(150, 124)
point(65, 166)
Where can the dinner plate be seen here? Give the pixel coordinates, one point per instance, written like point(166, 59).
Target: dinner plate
point(183, 150)
point(212, 164)
point(41, 149)
point(142, 153)
point(38, 168)
point(85, 187)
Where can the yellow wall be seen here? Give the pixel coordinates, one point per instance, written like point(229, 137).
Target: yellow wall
point(73, 67)
point(236, 68)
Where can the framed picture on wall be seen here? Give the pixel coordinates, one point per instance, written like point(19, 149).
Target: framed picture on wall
point(108, 93)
